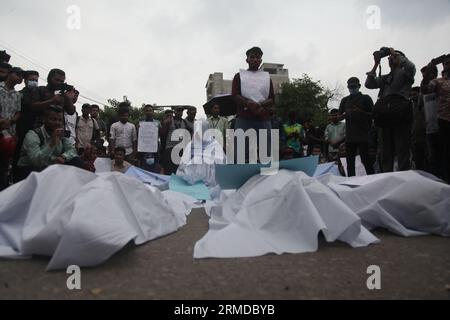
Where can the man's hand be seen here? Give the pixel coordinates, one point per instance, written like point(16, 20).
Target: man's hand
point(70, 95)
point(57, 99)
point(56, 136)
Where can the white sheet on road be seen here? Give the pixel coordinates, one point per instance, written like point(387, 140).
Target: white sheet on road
point(285, 212)
point(81, 218)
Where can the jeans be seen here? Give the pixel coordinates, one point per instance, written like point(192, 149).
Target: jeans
point(396, 142)
point(246, 124)
point(351, 150)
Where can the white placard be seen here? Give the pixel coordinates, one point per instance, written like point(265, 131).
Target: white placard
point(148, 137)
point(255, 85)
point(102, 165)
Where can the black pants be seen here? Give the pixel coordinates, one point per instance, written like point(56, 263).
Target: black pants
point(433, 154)
point(419, 151)
point(351, 150)
point(396, 142)
point(444, 152)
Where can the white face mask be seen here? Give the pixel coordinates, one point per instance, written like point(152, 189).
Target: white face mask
point(32, 84)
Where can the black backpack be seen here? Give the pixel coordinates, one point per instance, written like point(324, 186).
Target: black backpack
point(392, 111)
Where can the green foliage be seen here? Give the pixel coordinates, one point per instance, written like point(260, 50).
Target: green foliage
point(109, 114)
point(308, 98)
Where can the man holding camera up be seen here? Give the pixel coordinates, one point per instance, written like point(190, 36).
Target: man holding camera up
point(393, 111)
point(56, 92)
point(441, 87)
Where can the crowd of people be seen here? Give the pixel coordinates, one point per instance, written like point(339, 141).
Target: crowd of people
point(407, 128)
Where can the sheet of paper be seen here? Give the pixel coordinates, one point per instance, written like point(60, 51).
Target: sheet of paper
point(197, 191)
point(102, 165)
point(148, 137)
point(235, 175)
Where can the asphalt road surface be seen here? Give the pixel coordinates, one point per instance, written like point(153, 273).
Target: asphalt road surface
point(411, 268)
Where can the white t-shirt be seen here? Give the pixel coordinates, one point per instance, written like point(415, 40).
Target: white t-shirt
point(70, 122)
point(124, 135)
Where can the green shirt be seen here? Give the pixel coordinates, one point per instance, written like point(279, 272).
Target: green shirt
point(219, 123)
point(41, 155)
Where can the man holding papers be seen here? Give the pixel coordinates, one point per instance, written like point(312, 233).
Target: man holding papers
point(253, 91)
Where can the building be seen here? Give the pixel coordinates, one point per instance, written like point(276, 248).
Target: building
point(217, 85)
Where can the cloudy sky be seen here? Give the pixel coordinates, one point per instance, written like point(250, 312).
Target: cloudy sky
point(163, 51)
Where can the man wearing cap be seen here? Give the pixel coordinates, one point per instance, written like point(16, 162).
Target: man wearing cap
point(356, 108)
point(253, 91)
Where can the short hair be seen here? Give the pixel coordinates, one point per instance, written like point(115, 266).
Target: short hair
point(123, 110)
point(53, 108)
point(431, 69)
point(415, 89)
point(5, 65)
point(334, 111)
point(254, 50)
point(120, 149)
point(148, 106)
point(54, 72)
point(31, 73)
point(317, 146)
point(353, 81)
point(85, 106)
point(95, 106)
point(168, 111)
point(191, 108)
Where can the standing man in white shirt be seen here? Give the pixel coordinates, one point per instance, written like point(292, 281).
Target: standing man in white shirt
point(123, 134)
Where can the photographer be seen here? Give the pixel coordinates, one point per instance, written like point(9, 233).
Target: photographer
point(393, 111)
point(56, 92)
point(441, 87)
point(47, 145)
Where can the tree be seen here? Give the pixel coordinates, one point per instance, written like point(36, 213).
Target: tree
point(109, 114)
point(308, 98)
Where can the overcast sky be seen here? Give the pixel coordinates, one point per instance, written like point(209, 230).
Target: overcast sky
point(163, 51)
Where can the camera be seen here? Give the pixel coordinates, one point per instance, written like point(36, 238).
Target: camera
point(382, 53)
point(63, 87)
point(4, 57)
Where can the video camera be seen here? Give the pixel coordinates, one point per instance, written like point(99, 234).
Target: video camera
point(382, 53)
point(63, 88)
point(4, 57)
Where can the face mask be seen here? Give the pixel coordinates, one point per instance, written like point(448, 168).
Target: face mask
point(353, 90)
point(32, 84)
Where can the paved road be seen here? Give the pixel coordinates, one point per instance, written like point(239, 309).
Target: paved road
point(164, 269)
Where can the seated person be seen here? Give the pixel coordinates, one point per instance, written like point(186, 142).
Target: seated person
point(88, 157)
point(47, 145)
point(119, 164)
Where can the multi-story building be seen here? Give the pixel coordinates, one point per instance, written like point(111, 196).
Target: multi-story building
point(217, 85)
